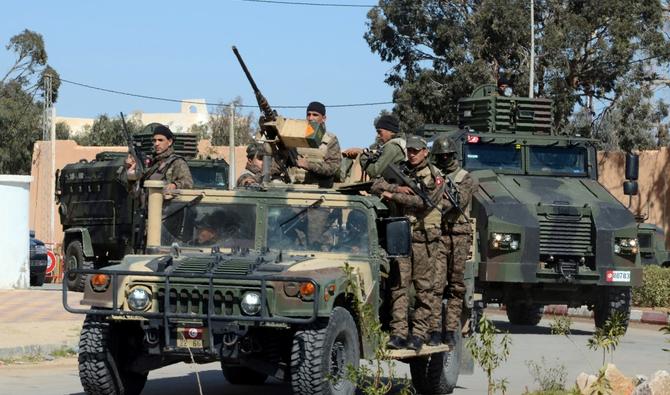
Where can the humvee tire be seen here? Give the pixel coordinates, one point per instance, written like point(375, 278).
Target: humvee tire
point(524, 313)
point(321, 354)
point(241, 375)
point(74, 259)
point(438, 373)
point(37, 280)
point(612, 300)
point(101, 366)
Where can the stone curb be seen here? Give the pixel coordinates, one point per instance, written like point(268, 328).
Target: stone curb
point(636, 315)
point(34, 350)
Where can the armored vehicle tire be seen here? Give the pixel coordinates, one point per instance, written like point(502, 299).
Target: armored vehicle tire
point(524, 313)
point(612, 300)
point(101, 366)
point(74, 259)
point(240, 375)
point(321, 354)
point(438, 373)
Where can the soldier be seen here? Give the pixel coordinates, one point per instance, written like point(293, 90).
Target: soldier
point(252, 175)
point(167, 165)
point(320, 164)
point(392, 147)
point(504, 87)
point(427, 247)
point(457, 230)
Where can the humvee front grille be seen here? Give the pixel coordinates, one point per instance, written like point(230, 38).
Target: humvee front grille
point(565, 235)
point(194, 301)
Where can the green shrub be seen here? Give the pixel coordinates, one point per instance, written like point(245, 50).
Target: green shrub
point(655, 289)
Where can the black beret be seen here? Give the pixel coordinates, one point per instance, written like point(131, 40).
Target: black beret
point(503, 81)
point(164, 130)
point(388, 122)
point(317, 107)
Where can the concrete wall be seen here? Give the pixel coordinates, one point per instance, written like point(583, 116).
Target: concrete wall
point(14, 232)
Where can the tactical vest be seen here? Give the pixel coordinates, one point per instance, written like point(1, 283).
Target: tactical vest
point(159, 170)
point(313, 155)
point(427, 217)
point(454, 216)
point(400, 142)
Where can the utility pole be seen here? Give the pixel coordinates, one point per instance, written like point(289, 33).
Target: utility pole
point(231, 149)
point(49, 133)
point(531, 81)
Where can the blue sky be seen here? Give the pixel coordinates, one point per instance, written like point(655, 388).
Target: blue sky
point(182, 50)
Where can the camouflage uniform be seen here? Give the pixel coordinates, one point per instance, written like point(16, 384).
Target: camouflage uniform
point(170, 168)
point(393, 151)
point(251, 176)
point(323, 163)
point(427, 247)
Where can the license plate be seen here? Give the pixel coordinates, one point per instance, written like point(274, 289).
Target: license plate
point(617, 276)
point(190, 337)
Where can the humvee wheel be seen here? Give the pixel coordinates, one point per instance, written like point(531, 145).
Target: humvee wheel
point(321, 354)
point(74, 259)
point(524, 313)
point(101, 367)
point(241, 375)
point(612, 300)
point(438, 373)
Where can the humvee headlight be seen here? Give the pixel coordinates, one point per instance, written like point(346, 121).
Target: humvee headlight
point(626, 246)
point(505, 241)
point(139, 299)
point(251, 303)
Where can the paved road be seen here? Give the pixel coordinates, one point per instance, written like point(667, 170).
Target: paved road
point(639, 353)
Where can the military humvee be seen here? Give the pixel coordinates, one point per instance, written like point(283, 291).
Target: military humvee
point(547, 231)
point(101, 221)
point(652, 245)
point(253, 279)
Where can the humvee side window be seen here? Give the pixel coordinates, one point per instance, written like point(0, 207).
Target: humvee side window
point(490, 156)
point(318, 229)
point(208, 225)
point(558, 160)
point(208, 177)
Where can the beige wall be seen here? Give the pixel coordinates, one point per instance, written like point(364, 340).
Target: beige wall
point(652, 201)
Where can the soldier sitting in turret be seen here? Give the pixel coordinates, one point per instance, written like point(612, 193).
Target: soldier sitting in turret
point(252, 176)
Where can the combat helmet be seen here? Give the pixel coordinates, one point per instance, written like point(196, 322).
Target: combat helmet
point(443, 145)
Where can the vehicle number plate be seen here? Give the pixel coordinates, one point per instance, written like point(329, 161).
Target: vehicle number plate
point(618, 276)
point(190, 337)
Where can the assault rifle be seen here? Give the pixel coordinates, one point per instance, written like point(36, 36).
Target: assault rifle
point(132, 149)
point(400, 174)
point(453, 197)
point(268, 115)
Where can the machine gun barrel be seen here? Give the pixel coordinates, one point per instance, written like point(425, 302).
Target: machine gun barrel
point(268, 113)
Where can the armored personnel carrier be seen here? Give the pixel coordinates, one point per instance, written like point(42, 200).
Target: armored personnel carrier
point(547, 231)
point(255, 279)
point(101, 221)
point(652, 245)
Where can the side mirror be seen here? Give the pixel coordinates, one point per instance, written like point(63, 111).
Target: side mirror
point(632, 167)
point(630, 188)
point(396, 238)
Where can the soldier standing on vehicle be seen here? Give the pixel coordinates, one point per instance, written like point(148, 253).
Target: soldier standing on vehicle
point(457, 232)
point(427, 247)
point(253, 171)
point(166, 165)
point(392, 150)
point(320, 164)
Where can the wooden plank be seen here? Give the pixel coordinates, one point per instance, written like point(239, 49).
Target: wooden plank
point(425, 350)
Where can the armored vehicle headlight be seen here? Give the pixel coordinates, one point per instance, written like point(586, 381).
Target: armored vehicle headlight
point(626, 246)
point(139, 299)
point(251, 303)
point(505, 241)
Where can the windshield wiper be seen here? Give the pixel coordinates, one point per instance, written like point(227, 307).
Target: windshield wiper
point(297, 216)
point(186, 205)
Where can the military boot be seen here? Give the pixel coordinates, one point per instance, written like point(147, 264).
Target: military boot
point(450, 338)
point(414, 343)
point(396, 343)
point(435, 338)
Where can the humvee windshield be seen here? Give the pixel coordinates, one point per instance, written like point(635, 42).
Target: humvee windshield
point(208, 177)
point(317, 229)
point(208, 225)
point(490, 156)
point(561, 160)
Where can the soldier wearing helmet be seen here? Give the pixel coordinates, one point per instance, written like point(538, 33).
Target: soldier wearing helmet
point(456, 232)
point(252, 174)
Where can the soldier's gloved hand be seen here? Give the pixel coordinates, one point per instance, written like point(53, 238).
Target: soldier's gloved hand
point(301, 162)
point(352, 152)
